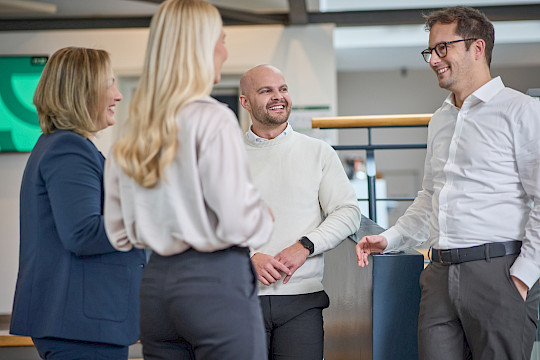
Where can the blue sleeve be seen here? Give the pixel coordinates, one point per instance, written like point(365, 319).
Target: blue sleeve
point(73, 174)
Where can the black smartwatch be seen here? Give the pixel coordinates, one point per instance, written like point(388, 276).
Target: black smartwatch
point(307, 244)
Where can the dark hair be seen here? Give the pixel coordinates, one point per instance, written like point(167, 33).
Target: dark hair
point(471, 23)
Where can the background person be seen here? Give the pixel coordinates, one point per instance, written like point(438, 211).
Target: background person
point(315, 206)
point(179, 184)
point(480, 292)
point(76, 296)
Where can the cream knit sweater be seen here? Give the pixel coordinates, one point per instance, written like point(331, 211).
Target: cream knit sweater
point(305, 185)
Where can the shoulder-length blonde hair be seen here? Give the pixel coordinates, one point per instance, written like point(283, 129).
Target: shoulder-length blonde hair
point(69, 89)
point(178, 68)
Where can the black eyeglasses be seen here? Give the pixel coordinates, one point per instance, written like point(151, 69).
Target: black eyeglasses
point(441, 49)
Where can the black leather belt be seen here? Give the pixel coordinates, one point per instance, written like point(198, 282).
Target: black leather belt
point(480, 252)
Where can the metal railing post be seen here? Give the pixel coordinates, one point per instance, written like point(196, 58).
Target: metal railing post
point(371, 173)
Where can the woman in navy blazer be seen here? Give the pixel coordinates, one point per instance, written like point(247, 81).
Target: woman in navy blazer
point(76, 296)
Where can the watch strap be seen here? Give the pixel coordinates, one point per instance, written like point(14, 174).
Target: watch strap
point(308, 244)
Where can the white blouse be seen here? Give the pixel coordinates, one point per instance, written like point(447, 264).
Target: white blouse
point(205, 200)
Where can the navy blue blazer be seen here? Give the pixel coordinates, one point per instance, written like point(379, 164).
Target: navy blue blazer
point(72, 283)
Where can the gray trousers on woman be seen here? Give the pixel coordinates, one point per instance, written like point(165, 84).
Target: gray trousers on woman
point(474, 309)
point(202, 306)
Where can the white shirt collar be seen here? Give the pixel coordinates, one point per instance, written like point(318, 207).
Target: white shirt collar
point(253, 137)
point(483, 93)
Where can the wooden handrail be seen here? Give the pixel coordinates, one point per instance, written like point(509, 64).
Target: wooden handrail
point(14, 340)
point(370, 121)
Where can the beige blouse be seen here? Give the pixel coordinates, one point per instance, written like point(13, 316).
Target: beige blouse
point(206, 199)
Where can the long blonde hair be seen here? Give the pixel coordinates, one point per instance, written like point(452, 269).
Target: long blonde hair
point(178, 68)
point(67, 95)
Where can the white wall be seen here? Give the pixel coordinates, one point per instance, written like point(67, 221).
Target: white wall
point(408, 92)
point(305, 55)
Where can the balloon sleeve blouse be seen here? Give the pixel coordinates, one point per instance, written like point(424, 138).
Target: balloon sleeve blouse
point(205, 200)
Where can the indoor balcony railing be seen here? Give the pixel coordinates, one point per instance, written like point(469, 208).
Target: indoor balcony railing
point(371, 122)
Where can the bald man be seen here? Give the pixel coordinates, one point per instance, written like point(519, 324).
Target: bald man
point(315, 208)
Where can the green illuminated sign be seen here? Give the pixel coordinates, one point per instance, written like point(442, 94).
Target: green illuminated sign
point(19, 126)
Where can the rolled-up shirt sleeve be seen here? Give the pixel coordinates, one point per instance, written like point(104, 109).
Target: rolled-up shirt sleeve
point(412, 229)
point(527, 148)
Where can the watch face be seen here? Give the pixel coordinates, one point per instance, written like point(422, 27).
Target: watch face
point(307, 244)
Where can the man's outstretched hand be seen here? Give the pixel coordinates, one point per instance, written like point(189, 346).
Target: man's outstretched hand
point(367, 245)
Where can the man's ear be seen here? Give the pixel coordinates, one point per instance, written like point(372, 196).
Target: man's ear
point(245, 102)
point(479, 48)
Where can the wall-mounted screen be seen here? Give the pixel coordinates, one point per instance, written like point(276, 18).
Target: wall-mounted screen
point(19, 126)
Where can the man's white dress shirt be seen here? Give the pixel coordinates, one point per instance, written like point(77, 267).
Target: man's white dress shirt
point(481, 179)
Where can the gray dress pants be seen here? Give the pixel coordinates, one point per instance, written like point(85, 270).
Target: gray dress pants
point(294, 325)
point(202, 306)
point(473, 310)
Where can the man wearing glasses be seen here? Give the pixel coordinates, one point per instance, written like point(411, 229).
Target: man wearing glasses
point(479, 206)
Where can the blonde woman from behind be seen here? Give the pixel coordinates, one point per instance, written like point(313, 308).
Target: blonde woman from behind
point(179, 184)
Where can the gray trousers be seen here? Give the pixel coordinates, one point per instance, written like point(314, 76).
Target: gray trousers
point(473, 310)
point(294, 325)
point(201, 306)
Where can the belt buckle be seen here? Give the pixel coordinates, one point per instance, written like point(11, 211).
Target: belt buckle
point(439, 251)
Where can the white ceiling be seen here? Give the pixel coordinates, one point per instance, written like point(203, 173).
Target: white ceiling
point(398, 47)
point(348, 5)
point(357, 48)
point(75, 8)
